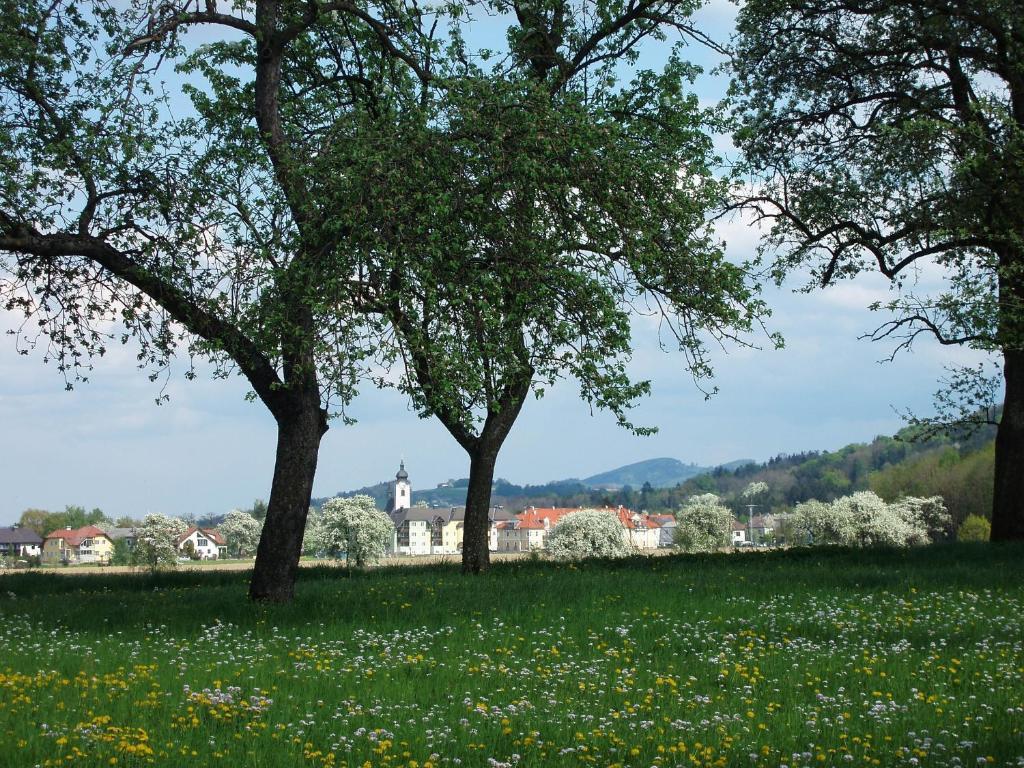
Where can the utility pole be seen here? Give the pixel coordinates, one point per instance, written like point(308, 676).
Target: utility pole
point(750, 521)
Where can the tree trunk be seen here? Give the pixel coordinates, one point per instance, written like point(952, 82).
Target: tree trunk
point(476, 555)
point(1008, 500)
point(299, 430)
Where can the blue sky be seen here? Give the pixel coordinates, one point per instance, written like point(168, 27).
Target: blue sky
point(107, 444)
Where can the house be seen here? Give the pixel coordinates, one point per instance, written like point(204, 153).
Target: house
point(666, 529)
point(436, 531)
point(130, 535)
point(424, 530)
point(761, 529)
point(207, 543)
point(419, 531)
point(739, 533)
point(520, 535)
point(639, 530)
point(529, 529)
point(16, 541)
point(88, 544)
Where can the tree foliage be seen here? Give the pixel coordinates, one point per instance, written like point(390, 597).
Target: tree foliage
point(587, 533)
point(44, 522)
point(241, 532)
point(863, 519)
point(354, 526)
point(542, 199)
point(156, 545)
point(347, 173)
point(209, 231)
point(889, 135)
point(703, 524)
point(974, 528)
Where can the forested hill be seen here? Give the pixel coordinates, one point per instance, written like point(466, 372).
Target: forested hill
point(659, 473)
point(960, 472)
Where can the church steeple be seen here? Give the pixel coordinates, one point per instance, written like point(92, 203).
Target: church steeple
point(401, 490)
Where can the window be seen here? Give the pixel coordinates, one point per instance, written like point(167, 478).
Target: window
point(202, 543)
point(402, 493)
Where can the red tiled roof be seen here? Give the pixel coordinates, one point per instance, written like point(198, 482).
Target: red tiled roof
point(534, 517)
point(75, 537)
point(626, 518)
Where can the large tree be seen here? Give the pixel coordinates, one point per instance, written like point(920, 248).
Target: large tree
point(889, 135)
point(126, 212)
point(516, 214)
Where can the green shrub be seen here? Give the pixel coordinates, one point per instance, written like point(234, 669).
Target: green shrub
point(974, 528)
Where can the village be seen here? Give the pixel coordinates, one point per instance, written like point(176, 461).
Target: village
point(419, 530)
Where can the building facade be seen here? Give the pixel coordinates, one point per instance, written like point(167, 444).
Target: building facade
point(88, 544)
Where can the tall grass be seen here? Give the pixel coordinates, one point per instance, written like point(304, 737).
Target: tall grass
point(799, 658)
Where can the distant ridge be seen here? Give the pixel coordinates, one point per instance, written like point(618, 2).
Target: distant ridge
point(660, 473)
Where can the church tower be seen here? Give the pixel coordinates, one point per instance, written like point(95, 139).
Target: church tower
point(401, 491)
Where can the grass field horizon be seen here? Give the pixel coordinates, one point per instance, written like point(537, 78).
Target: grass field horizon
point(788, 658)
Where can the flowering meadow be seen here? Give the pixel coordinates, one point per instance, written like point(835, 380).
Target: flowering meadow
point(801, 658)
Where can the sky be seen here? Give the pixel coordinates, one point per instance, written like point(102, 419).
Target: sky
point(107, 444)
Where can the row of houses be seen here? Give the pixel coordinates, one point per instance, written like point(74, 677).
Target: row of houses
point(92, 544)
point(417, 531)
point(434, 531)
point(439, 531)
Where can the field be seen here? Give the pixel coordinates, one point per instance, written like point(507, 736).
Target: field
point(765, 659)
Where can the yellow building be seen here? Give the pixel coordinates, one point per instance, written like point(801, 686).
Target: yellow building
point(81, 545)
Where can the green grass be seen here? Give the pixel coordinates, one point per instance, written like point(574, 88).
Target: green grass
point(793, 658)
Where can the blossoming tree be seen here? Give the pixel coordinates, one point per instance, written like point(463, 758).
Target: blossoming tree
point(588, 533)
point(356, 527)
point(242, 532)
point(157, 540)
point(703, 524)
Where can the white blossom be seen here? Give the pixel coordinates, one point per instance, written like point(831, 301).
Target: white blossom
point(355, 526)
point(157, 540)
point(588, 533)
point(865, 520)
point(242, 532)
point(703, 524)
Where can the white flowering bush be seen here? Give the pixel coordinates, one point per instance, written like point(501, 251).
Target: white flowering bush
point(864, 520)
point(814, 523)
point(355, 526)
point(703, 524)
point(928, 516)
point(871, 522)
point(242, 532)
point(156, 545)
point(588, 533)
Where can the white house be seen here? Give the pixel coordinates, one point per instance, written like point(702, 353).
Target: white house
point(207, 543)
point(666, 529)
point(20, 542)
point(739, 532)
